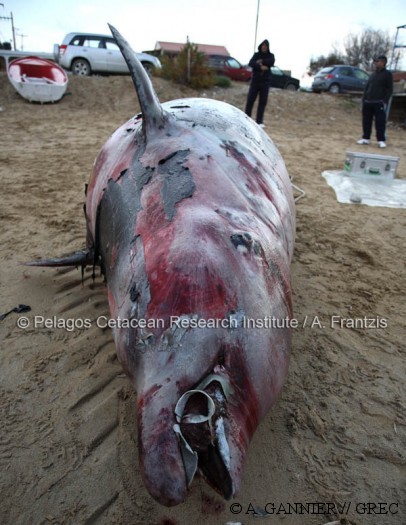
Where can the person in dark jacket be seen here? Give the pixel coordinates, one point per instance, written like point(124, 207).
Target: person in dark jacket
point(261, 63)
point(375, 99)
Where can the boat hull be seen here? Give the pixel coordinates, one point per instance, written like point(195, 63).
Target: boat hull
point(37, 79)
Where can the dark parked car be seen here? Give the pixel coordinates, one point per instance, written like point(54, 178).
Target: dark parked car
point(339, 79)
point(280, 80)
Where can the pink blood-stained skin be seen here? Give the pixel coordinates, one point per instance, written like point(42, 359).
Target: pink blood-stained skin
point(193, 215)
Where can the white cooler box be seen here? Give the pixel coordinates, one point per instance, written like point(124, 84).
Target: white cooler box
point(368, 164)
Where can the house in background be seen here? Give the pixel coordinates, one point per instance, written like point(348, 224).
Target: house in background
point(174, 48)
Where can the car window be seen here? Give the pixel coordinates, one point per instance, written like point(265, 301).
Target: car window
point(361, 75)
point(232, 62)
point(216, 61)
point(325, 70)
point(93, 42)
point(76, 41)
point(276, 71)
point(346, 71)
point(112, 46)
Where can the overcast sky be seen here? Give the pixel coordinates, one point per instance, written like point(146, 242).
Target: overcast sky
point(297, 30)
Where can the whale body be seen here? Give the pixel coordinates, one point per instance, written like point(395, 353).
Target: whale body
point(190, 215)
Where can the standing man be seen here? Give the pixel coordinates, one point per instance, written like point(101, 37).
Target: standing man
point(375, 100)
point(261, 64)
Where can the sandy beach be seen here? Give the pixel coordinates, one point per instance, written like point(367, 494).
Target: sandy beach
point(68, 438)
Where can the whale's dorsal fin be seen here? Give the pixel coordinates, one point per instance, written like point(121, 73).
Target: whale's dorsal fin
point(154, 117)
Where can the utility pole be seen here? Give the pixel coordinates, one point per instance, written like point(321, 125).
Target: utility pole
point(12, 27)
point(22, 36)
point(188, 59)
point(256, 29)
point(13, 30)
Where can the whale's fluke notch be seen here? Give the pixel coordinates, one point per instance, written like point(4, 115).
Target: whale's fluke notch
point(154, 117)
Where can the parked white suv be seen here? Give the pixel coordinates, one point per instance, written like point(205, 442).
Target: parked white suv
point(87, 53)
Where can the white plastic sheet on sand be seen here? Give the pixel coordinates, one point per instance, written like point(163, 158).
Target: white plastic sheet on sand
point(389, 193)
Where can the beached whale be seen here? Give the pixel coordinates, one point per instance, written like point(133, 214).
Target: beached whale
point(191, 216)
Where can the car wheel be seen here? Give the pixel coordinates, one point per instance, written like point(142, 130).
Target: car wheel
point(81, 67)
point(334, 88)
point(291, 87)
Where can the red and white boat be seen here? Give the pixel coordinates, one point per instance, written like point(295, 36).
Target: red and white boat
point(37, 79)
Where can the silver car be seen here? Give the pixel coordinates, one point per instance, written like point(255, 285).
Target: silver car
point(88, 53)
point(340, 79)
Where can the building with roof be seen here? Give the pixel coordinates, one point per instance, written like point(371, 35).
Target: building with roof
point(174, 48)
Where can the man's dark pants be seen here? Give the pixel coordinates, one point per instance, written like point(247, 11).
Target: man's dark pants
point(369, 111)
point(261, 88)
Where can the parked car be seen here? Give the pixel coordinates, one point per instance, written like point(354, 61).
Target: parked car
point(87, 53)
point(229, 67)
point(339, 79)
point(281, 80)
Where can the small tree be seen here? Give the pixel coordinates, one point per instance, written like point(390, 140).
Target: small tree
point(361, 49)
point(188, 68)
point(333, 58)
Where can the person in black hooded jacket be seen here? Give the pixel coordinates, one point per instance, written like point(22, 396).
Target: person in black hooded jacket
point(261, 63)
point(375, 100)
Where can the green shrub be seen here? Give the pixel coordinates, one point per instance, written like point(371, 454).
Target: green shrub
point(188, 68)
point(223, 82)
